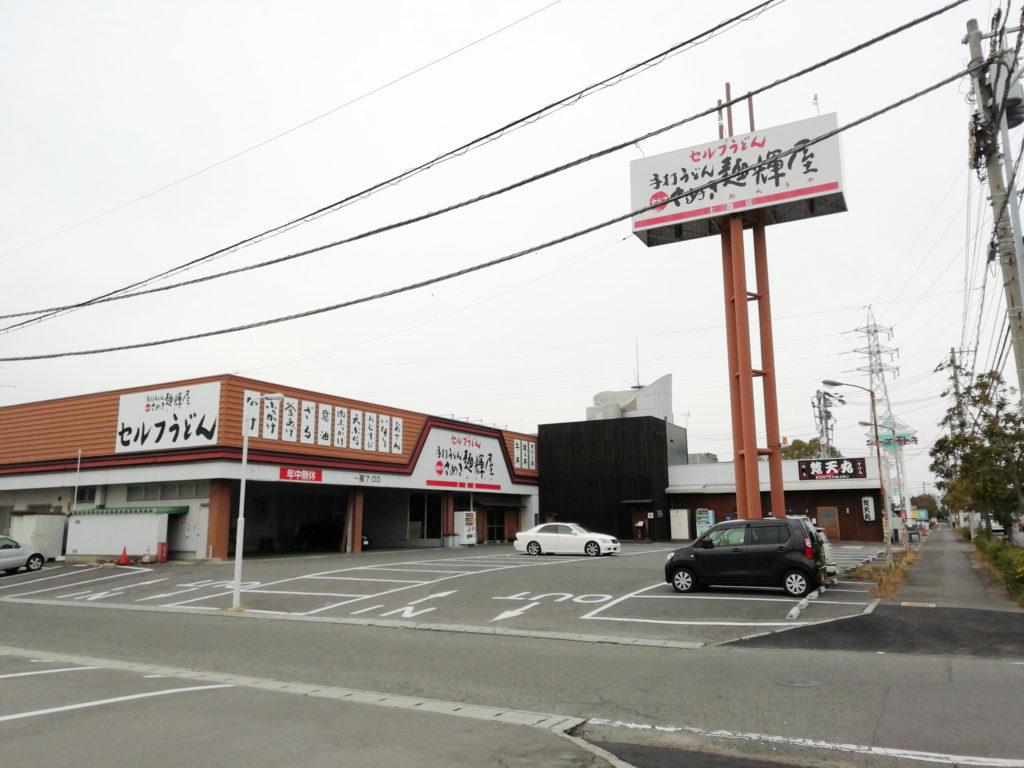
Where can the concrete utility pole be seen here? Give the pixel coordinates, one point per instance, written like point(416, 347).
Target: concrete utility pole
point(989, 121)
point(825, 420)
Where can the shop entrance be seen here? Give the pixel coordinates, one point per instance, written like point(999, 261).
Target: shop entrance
point(828, 520)
point(311, 520)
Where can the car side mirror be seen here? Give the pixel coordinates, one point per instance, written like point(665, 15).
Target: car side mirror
point(707, 544)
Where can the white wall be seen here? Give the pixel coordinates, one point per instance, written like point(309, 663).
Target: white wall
point(44, 533)
point(108, 535)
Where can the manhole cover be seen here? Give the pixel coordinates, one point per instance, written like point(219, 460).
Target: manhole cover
point(801, 683)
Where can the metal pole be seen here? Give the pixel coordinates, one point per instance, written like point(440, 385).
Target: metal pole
point(236, 597)
point(886, 521)
point(78, 471)
point(240, 526)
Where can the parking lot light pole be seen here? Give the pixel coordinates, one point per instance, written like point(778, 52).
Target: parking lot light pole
point(236, 598)
point(886, 522)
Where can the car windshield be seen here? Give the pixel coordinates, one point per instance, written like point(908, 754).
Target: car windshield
point(578, 528)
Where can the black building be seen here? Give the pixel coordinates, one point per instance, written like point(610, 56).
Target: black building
point(610, 475)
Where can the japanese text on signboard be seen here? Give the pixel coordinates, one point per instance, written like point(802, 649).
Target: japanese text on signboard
point(832, 469)
point(167, 419)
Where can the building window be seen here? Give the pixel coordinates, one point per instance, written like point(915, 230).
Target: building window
point(188, 489)
point(86, 495)
point(143, 492)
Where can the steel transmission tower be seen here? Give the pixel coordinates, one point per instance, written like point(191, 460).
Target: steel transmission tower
point(879, 364)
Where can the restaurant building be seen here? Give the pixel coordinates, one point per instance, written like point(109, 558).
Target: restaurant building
point(158, 469)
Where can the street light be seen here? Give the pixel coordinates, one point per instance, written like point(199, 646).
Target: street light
point(887, 524)
point(240, 527)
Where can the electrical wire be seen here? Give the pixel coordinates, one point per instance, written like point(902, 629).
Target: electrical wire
point(502, 259)
point(629, 72)
point(281, 135)
point(502, 190)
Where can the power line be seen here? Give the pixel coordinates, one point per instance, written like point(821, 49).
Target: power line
point(502, 259)
point(501, 190)
point(493, 135)
point(281, 135)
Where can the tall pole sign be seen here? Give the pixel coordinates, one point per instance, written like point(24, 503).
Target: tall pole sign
point(724, 187)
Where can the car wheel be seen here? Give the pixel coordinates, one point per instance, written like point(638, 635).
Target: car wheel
point(592, 549)
point(683, 580)
point(35, 563)
point(796, 583)
point(533, 548)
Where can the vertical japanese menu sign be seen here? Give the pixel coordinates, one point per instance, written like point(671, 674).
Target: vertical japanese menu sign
point(166, 419)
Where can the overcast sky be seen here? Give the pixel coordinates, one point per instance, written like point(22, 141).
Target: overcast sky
point(139, 137)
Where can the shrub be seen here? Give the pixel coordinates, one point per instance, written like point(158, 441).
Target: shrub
point(1007, 560)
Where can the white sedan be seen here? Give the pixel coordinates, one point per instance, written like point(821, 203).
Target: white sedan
point(565, 539)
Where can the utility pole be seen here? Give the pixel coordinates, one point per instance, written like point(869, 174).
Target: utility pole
point(989, 121)
point(820, 405)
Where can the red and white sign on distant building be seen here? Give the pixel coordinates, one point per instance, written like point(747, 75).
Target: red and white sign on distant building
point(302, 475)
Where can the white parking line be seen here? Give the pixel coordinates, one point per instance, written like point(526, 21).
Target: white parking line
point(45, 672)
point(45, 578)
point(67, 586)
point(103, 702)
point(358, 578)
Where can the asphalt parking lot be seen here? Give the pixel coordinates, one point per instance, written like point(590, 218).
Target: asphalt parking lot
point(123, 713)
point(487, 588)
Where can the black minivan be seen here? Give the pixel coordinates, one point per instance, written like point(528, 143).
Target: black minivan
point(772, 552)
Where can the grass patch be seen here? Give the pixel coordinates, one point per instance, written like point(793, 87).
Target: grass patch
point(888, 578)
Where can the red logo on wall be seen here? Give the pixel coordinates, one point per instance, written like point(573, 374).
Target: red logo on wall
point(439, 468)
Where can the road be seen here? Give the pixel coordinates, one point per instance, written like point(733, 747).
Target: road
point(350, 690)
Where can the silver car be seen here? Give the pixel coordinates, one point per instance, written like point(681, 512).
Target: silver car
point(13, 556)
point(831, 568)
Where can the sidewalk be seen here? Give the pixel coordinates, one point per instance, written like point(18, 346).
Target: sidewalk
point(945, 576)
point(947, 605)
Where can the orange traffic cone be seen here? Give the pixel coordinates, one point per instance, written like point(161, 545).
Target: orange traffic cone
point(124, 557)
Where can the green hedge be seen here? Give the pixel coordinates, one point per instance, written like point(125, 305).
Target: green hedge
point(1007, 558)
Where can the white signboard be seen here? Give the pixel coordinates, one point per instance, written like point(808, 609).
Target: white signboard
point(307, 423)
point(323, 430)
point(453, 459)
point(777, 170)
point(290, 419)
point(165, 419)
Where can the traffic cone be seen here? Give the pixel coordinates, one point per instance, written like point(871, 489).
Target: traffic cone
point(124, 557)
